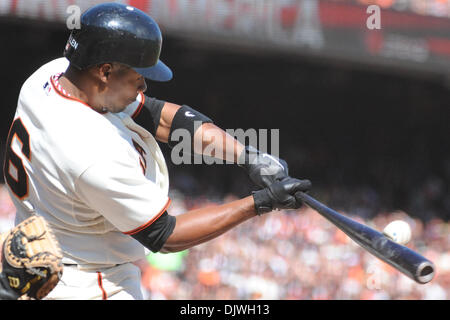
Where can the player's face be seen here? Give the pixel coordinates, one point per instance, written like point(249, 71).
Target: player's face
point(122, 88)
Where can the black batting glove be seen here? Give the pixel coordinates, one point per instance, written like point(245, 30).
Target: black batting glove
point(262, 168)
point(280, 195)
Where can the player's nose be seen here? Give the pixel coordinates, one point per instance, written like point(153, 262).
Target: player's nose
point(142, 85)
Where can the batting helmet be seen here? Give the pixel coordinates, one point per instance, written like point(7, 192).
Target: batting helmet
point(113, 32)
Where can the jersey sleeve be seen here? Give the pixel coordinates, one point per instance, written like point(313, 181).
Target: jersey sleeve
point(120, 193)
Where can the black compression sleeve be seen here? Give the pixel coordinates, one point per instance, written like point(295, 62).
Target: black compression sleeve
point(155, 235)
point(150, 114)
point(187, 119)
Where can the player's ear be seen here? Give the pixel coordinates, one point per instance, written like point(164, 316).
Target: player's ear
point(104, 71)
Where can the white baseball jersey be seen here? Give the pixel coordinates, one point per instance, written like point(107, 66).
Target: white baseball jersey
point(96, 177)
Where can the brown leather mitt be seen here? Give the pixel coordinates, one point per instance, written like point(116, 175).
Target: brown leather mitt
point(31, 260)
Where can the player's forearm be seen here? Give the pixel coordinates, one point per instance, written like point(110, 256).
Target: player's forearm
point(207, 139)
point(165, 123)
point(200, 225)
point(212, 141)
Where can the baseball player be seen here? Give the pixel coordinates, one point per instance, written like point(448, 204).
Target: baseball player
point(82, 152)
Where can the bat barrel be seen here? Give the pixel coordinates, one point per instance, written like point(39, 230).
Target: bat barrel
point(400, 257)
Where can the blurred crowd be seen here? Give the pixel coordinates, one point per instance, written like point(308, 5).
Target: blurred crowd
point(296, 255)
point(286, 255)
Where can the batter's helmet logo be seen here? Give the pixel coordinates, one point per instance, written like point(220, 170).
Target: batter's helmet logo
point(72, 42)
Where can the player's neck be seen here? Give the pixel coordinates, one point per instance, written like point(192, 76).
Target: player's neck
point(71, 82)
point(80, 86)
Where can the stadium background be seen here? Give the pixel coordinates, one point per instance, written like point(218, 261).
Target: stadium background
point(362, 113)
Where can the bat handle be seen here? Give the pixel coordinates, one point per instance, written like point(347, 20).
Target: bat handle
point(307, 199)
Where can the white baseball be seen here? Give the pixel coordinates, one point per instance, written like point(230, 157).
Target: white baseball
point(399, 231)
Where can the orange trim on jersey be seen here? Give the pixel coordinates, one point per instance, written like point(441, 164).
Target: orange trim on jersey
point(100, 284)
point(134, 231)
point(139, 108)
point(143, 166)
point(65, 96)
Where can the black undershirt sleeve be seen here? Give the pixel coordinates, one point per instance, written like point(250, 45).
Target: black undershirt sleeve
point(155, 235)
point(150, 114)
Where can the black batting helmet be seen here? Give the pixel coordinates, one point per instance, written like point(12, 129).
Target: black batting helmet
point(113, 32)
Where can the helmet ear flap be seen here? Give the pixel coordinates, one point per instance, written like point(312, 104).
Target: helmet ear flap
point(70, 47)
point(74, 51)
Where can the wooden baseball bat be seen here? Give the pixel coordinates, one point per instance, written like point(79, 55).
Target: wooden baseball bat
point(400, 257)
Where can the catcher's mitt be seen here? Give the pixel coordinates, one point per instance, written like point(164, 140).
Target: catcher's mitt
point(31, 260)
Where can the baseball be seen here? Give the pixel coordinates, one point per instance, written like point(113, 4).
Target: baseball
point(399, 231)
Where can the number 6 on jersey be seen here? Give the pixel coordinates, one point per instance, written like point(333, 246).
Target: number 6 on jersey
point(14, 170)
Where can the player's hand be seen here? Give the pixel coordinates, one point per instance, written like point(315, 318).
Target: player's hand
point(280, 195)
point(262, 168)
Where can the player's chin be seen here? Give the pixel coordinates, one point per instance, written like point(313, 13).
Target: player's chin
point(119, 107)
point(130, 100)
